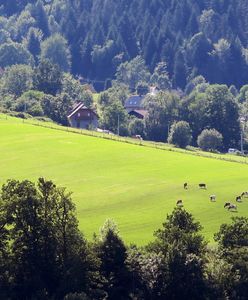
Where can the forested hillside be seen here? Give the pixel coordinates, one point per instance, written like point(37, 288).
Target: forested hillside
point(206, 37)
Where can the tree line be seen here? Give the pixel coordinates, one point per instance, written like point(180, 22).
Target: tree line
point(210, 116)
point(44, 92)
point(43, 255)
point(196, 116)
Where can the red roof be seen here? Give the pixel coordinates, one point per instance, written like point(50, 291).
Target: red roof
point(79, 106)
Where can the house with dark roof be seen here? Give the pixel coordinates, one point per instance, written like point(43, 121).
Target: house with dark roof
point(83, 117)
point(138, 113)
point(134, 102)
point(135, 106)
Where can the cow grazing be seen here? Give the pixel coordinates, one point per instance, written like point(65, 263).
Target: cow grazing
point(227, 204)
point(185, 186)
point(212, 198)
point(232, 207)
point(202, 186)
point(244, 194)
point(239, 199)
point(179, 202)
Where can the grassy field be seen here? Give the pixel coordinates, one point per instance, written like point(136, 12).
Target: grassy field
point(136, 186)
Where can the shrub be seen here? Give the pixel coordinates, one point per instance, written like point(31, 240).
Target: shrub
point(36, 110)
point(210, 140)
point(136, 127)
point(180, 134)
point(20, 115)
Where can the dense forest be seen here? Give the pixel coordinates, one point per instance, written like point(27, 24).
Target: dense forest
point(43, 255)
point(206, 37)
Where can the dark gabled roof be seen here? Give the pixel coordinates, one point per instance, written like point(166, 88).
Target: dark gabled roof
point(140, 113)
point(77, 107)
point(134, 101)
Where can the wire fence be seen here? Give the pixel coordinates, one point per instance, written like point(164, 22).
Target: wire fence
point(128, 140)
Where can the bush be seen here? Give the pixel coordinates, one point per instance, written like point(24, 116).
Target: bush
point(180, 134)
point(44, 119)
point(36, 110)
point(142, 88)
point(210, 140)
point(20, 115)
point(136, 127)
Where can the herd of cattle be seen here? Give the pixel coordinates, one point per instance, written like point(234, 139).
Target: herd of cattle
point(230, 206)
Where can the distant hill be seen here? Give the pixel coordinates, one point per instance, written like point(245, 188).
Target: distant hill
point(207, 37)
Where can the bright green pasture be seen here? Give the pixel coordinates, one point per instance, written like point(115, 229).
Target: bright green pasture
point(136, 186)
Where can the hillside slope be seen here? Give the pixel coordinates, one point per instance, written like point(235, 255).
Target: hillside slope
point(136, 186)
point(207, 37)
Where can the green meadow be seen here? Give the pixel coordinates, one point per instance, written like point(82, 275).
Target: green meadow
point(136, 186)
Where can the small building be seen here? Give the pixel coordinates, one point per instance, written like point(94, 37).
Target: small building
point(134, 102)
point(83, 117)
point(134, 105)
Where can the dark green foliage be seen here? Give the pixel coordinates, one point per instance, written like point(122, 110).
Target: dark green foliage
point(160, 77)
point(180, 134)
point(114, 117)
point(56, 50)
point(142, 88)
point(48, 254)
point(133, 72)
point(178, 225)
point(13, 6)
point(47, 78)
point(163, 110)
point(17, 79)
point(33, 42)
point(210, 140)
point(40, 15)
point(242, 97)
point(221, 109)
point(112, 111)
point(76, 90)
point(206, 38)
point(233, 245)
point(182, 248)
point(233, 235)
point(113, 253)
point(137, 127)
point(57, 108)
point(43, 255)
point(14, 54)
point(212, 106)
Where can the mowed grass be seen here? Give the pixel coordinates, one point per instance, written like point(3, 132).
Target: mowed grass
point(136, 186)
